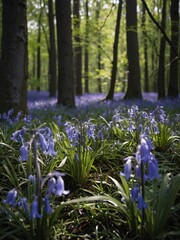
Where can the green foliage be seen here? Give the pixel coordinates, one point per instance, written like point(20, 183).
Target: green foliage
point(78, 159)
point(89, 155)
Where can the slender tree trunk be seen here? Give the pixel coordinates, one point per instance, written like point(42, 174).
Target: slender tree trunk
point(134, 84)
point(13, 69)
point(66, 93)
point(98, 6)
point(86, 54)
point(52, 52)
point(77, 48)
point(110, 94)
point(39, 51)
point(146, 76)
point(173, 81)
point(161, 66)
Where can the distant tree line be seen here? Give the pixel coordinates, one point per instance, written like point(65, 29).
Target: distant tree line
point(71, 47)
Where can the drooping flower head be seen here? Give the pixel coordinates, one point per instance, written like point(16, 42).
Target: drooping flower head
point(34, 209)
point(11, 197)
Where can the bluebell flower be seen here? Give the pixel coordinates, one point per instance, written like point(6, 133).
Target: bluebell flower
point(11, 197)
point(134, 192)
point(34, 209)
point(59, 187)
point(131, 127)
point(133, 111)
point(32, 178)
point(58, 120)
point(43, 142)
point(100, 134)
point(23, 203)
point(47, 206)
point(50, 187)
point(91, 131)
point(127, 168)
point(155, 128)
point(137, 171)
point(143, 151)
point(18, 116)
point(153, 169)
point(24, 152)
point(140, 202)
point(50, 149)
point(18, 136)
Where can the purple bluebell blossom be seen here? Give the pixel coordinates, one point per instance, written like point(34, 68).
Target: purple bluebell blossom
point(153, 169)
point(23, 203)
point(43, 142)
point(24, 152)
point(11, 197)
point(18, 136)
point(59, 187)
point(32, 178)
point(50, 149)
point(137, 171)
point(100, 134)
point(127, 168)
point(58, 120)
point(47, 207)
point(143, 151)
point(50, 187)
point(73, 133)
point(131, 127)
point(134, 192)
point(133, 111)
point(140, 202)
point(34, 209)
point(91, 131)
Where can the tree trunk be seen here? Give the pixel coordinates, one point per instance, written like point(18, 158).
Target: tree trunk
point(173, 81)
point(146, 76)
point(13, 69)
point(86, 54)
point(66, 94)
point(115, 53)
point(52, 52)
point(134, 84)
point(77, 48)
point(161, 66)
point(98, 6)
point(39, 51)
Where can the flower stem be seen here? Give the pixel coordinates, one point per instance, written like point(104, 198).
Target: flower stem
point(143, 196)
point(38, 188)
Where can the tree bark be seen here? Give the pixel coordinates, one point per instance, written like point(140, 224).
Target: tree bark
point(99, 85)
point(52, 52)
point(77, 48)
point(39, 51)
point(161, 66)
point(66, 95)
point(86, 54)
point(146, 74)
point(13, 69)
point(110, 94)
point(173, 80)
point(134, 84)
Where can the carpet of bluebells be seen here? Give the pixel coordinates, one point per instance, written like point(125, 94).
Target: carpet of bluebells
point(103, 170)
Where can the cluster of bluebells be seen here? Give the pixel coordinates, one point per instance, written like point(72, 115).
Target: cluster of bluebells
point(55, 186)
point(9, 118)
point(134, 120)
point(44, 140)
point(79, 133)
point(145, 168)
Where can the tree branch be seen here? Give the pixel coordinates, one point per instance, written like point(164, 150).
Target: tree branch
point(160, 28)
